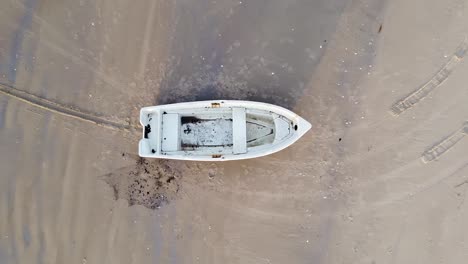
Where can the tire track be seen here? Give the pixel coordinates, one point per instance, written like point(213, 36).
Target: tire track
point(63, 110)
point(410, 194)
point(66, 52)
point(418, 95)
point(445, 144)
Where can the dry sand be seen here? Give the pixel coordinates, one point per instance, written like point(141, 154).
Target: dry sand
point(381, 178)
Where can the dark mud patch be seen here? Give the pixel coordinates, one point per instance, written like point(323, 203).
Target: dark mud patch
point(151, 183)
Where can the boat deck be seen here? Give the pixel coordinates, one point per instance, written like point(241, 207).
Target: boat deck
point(198, 132)
point(216, 133)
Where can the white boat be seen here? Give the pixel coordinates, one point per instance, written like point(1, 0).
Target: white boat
point(218, 130)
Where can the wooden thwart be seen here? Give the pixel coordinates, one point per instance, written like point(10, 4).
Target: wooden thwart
point(239, 133)
point(170, 132)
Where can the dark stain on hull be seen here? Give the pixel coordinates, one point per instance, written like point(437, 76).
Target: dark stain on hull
point(147, 130)
point(190, 120)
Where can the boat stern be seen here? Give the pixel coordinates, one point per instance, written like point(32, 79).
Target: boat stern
point(149, 145)
point(144, 148)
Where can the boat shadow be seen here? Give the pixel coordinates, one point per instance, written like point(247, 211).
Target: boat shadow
point(215, 58)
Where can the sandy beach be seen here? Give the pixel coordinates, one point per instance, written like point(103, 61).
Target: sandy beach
point(382, 177)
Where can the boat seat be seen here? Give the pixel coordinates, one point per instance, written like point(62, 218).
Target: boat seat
point(282, 128)
point(239, 131)
point(153, 137)
point(170, 132)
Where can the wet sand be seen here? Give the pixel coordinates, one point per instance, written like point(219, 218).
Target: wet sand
point(381, 177)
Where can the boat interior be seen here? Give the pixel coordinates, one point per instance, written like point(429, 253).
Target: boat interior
point(215, 132)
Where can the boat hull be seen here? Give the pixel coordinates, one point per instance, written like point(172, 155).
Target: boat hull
point(218, 130)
